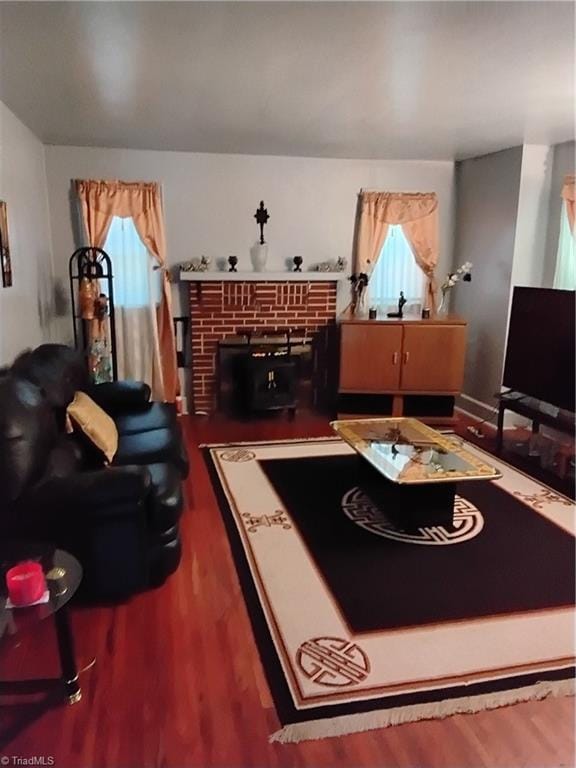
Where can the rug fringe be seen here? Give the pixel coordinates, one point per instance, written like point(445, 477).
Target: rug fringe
point(382, 718)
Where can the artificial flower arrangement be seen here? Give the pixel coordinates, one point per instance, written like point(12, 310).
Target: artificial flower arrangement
point(359, 284)
point(464, 273)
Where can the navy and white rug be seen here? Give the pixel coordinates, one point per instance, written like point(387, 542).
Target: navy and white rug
point(361, 625)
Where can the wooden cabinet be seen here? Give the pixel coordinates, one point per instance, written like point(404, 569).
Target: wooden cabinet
point(433, 358)
point(370, 358)
point(401, 367)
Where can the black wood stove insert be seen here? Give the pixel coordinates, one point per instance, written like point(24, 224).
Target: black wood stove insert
point(264, 369)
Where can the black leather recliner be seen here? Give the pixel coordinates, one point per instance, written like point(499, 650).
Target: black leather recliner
point(120, 521)
point(148, 432)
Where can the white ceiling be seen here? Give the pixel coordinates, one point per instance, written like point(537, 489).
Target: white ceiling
point(420, 80)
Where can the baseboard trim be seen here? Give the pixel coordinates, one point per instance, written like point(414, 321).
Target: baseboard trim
point(463, 411)
point(478, 403)
point(489, 412)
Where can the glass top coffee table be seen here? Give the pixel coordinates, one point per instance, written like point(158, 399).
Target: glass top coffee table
point(411, 470)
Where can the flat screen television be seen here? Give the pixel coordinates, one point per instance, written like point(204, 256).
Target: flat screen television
point(540, 350)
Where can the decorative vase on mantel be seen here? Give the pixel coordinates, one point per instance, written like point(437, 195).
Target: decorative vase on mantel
point(259, 256)
point(259, 251)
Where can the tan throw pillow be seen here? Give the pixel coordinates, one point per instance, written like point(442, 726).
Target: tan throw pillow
point(95, 423)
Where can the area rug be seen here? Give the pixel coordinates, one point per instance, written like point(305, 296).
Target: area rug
point(360, 625)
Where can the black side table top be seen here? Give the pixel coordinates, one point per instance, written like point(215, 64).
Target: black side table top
point(63, 576)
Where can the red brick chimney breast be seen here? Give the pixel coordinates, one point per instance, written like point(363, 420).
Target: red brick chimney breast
point(219, 308)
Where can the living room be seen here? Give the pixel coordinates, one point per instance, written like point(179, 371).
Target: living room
point(335, 205)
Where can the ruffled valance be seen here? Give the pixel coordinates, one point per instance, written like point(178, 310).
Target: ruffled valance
point(119, 198)
point(568, 190)
point(398, 207)
point(569, 195)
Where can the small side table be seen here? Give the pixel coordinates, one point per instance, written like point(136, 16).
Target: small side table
point(63, 576)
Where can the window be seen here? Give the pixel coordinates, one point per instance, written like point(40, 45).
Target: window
point(396, 270)
point(135, 279)
point(137, 293)
point(565, 274)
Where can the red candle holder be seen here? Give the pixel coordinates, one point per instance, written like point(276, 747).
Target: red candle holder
point(26, 583)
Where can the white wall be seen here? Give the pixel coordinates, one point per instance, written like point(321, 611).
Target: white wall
point(26, 308)
point(210, 201)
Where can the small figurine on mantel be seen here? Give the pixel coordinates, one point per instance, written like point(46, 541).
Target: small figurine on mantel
point(400, 312)
point(340, 265)
point(331, 265)
point(197, 265)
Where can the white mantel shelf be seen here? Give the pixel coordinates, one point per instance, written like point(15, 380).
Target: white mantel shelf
point(261, 277)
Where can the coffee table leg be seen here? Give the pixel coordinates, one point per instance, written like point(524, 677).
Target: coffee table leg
point(408, 507)
point(67, 656)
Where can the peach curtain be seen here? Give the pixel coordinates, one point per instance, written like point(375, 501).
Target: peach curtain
point(418, 215)
point(569, 195)
point(100, 202)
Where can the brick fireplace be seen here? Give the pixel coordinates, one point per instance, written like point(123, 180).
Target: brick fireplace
point(221, 306)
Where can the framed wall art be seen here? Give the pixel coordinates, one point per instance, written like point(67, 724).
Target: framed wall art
point(5, 260)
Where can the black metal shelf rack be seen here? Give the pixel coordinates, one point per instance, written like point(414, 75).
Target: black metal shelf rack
point(95, 264)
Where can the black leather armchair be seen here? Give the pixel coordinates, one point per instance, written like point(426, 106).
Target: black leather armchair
point(122, 521)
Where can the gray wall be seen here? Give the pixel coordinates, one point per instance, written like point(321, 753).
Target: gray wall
point(487, 191)
point(562, 165)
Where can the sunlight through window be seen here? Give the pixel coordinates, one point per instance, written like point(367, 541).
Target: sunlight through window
point(395, 271)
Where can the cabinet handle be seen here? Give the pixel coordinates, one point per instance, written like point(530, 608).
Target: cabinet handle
point(395, 358)
point(406, 357)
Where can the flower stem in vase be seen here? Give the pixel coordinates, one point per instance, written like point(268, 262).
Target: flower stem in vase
point(443, 306)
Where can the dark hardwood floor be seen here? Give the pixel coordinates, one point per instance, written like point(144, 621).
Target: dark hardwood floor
point(178, 682)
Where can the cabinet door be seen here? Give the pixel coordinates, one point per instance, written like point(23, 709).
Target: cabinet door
point(433, 358)
point(370, 357)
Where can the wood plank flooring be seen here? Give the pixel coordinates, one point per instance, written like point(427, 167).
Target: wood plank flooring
point(178, 681)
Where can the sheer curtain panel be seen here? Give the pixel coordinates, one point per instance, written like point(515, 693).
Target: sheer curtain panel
point(565, 274)
point(137, 294)
point(395, 271)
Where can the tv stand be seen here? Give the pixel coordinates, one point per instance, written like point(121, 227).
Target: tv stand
point(536, 410)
